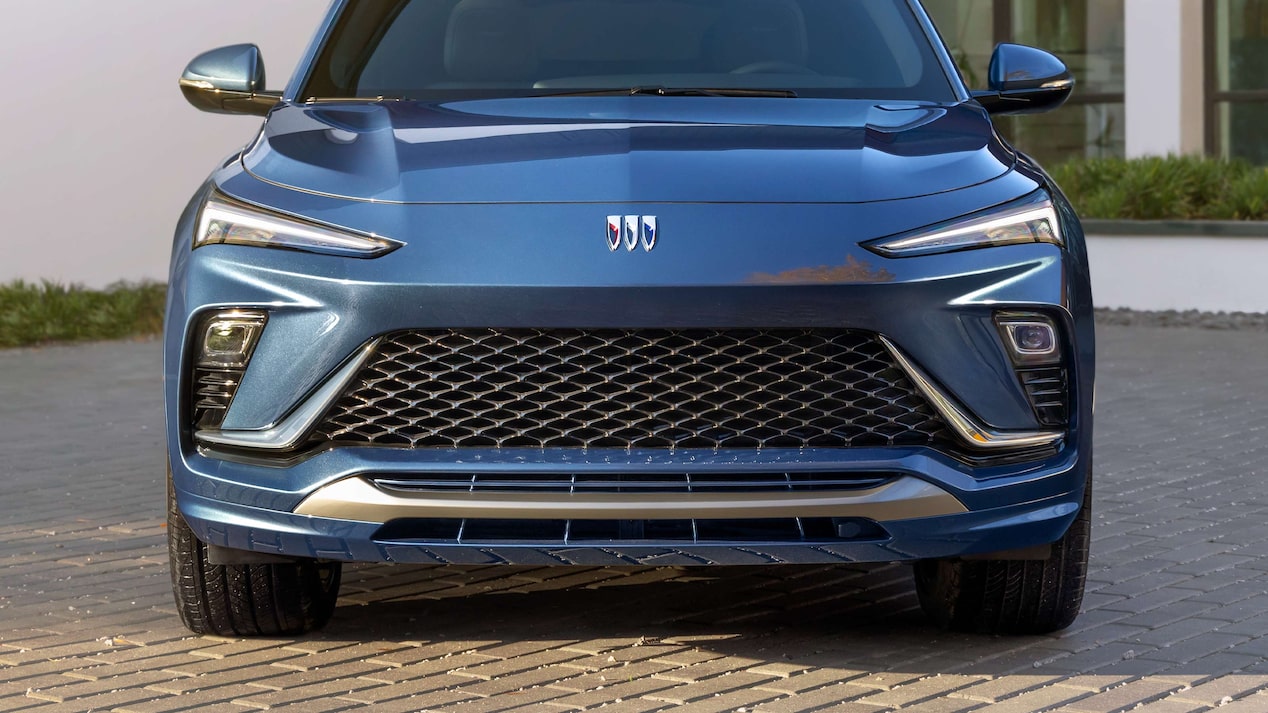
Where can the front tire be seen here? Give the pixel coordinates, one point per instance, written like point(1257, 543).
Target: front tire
point(1003, 596)
point(282, 599)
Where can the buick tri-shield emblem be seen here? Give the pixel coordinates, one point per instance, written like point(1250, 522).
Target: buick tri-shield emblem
point(614, 232)
point(631, 230)
point(649, 232)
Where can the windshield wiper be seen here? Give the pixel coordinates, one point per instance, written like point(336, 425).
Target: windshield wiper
point(713, 92)
point(661, 91)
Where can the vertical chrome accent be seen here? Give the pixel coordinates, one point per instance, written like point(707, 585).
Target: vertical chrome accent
point(972, 432)
point(291, 430)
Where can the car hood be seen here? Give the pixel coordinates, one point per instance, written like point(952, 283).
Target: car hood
point(628, 149)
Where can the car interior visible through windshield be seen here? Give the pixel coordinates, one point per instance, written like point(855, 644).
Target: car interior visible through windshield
point(422, 49)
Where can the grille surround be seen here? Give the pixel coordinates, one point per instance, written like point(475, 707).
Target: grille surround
point(631, 389)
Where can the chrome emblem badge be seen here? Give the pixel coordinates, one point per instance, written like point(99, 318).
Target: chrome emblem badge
point(631, 231)
point(649, 232)
point(614, 232)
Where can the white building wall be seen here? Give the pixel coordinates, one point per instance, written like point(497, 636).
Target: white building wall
point(1179, 273)
point(98, 150)
point(1164, 77)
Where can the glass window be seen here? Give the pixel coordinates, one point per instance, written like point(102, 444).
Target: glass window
point(421, 49)
point(1087, 34)
point(968, 29)
point(1238, 99)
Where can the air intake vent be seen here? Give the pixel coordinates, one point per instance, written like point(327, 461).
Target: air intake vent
point(617, 532)
point(1048, 391)
point(213, 392)
point(632, 389)
point(618, 482)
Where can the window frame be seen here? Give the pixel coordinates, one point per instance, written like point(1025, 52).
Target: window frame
point(1215, 98)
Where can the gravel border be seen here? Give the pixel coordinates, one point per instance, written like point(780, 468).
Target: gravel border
point(1189, 318)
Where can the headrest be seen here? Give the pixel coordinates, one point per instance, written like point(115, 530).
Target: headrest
point(490, 41)
point(754, 31)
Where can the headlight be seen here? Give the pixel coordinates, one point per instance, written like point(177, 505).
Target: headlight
point(1032, 219)
point(228, 222)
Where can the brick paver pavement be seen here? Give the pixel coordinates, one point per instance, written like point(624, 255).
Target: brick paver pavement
point(1176, 618)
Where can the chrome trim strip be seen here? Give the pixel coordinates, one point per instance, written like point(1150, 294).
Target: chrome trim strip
point(357, 499)
point(966, 426)
point(288, 433)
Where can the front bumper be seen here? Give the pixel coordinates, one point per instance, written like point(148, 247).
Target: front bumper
point(937, 311)
point(271, 532)
point(932, 507)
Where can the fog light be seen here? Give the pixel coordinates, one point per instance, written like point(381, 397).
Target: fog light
point(1031, 340)
point(229, 338)
point(1033, 343)
point(226, 341)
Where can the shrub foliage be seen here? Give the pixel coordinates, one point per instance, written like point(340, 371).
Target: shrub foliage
point(1171, 188)
point(33, 314)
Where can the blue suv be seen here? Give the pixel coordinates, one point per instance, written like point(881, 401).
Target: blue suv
point(615, 282)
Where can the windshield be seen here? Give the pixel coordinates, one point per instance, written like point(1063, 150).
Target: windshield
point(440, 49)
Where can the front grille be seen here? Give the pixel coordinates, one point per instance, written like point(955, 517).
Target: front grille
point(628, 389)
point(604, 482)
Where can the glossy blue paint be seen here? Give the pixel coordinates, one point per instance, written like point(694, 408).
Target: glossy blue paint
point(501, 206)
point(1025, 80)
point(630, 149)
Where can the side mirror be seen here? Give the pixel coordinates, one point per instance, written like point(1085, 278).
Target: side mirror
point(1025, 80)
point(229, 80)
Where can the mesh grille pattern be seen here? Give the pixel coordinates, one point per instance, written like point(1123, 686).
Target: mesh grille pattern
point(647, 388)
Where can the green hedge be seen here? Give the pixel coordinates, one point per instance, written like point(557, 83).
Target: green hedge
point(46, 313)
point(1171, 188)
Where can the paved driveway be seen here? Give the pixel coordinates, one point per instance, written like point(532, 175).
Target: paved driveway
point(1176, 617)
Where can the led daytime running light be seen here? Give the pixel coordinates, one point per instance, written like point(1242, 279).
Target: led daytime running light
point(1033, 222)
point(227, 222)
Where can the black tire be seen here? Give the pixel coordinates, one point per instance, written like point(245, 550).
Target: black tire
point(246, 600)
point(1002, 596)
